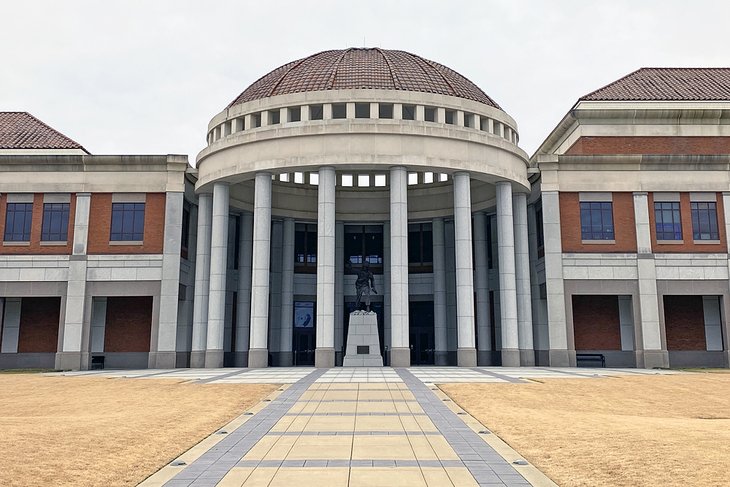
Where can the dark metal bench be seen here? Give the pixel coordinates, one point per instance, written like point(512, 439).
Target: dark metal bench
point(590, 357)
point(97, 362)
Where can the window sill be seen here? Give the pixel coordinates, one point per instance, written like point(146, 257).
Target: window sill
point(598, 242)
point(670, 242)
point(53, 243)
point(126, 242)
point(706, 242)
point(16, 244)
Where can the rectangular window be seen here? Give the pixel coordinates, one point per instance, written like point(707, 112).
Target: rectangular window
point(667, 220)
point(256, 120)
point(539, 231)
point(363, 243)
point(483, 124)
point(408, 112)
point(429, 114)
point(596, 220)
point(127, 222)
point(362, 110)
point(295, 114)
point(305, 247)
point(385, 110)
point(274, 117)
point(316, 112)
point(55, 222)
point(468, 120)
point(185, 232)
point(420, 247)
point(339, 110)
point(497, 128)
point(450, 117)
point(704, 220)
point(18, 218)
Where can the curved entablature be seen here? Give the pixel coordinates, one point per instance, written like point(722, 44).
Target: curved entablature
point(362, 139)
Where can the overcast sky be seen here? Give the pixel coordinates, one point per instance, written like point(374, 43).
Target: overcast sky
point(145, 77)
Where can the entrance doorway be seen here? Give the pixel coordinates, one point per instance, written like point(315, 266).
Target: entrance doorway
point(305, 332)
point(421, 334)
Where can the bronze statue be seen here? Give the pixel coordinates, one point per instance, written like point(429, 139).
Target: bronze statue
point(364, 284)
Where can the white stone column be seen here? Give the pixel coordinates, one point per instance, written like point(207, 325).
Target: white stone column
point(725, 321)
point(481, 287)
point(522, 280)
point(466, 355)
point(440, 323)
point(202, 281)
point(73, 354)
point(243, 296)
point(258, 354)
point(339, 288)
point(324, 355)
point(653, 353)
point(400, 353)
point(287, 295)
point(507, 281)
point(163, 353)
point(218, 268)
point(559, 355)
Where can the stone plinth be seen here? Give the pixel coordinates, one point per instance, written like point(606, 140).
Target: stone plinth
point(363, 344)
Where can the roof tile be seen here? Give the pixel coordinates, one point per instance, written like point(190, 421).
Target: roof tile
point(21, 130)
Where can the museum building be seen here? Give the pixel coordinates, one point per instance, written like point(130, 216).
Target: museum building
point(609, 244)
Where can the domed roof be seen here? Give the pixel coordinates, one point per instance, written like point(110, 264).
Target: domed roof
point(366, 68)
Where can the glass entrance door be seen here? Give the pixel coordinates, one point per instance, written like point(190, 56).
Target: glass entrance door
point(305, 332)
point(421, 332)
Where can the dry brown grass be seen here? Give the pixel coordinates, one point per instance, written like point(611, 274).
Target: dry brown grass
point(95, 431)
point(628, 431)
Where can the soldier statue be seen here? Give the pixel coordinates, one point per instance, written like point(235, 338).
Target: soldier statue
point(364, 284)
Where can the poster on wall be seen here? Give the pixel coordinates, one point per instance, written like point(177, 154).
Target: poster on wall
point(303, 314)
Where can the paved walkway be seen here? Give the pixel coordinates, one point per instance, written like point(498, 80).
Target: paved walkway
point(355, 427)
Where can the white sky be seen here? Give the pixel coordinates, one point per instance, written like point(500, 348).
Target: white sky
point(145, 77)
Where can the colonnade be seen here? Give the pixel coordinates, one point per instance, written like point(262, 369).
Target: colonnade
point(252, 348)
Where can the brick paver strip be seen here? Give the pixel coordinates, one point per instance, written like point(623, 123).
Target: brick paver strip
point(497, 375)
point(214, 464)
point(484, 463)
point(224, 376)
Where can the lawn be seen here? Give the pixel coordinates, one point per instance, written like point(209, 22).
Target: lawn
point(630, 431)
point(102, 431)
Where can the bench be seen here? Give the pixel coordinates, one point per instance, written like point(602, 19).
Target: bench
point(97, 362)
point(590, 357)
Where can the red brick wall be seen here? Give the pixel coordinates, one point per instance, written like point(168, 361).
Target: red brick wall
point(35, 246)
point(596, 323)
point(688, 244)
point(128, 324)
point(100, 219)
point(684, 322)
point(39, 321)
point(623, 223)
point(587, 145)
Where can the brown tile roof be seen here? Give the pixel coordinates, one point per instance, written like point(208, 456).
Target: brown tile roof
point(667, 84)
point(21, 130)
point(366, 68)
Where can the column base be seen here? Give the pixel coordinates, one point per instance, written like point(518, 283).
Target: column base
point(510, 357)
point(441, 358)
point(400, 357)
point(197, 359)
point(466, 357)
point(258, 358)
point(286, 359)
point(652, 359)
point(162, 360)
point(527, 358)
point(71, 361)
point(240, 359)
point(213, 359)
point(324, 358)
point(562, 358)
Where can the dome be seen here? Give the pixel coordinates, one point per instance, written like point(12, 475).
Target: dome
point(363, 68)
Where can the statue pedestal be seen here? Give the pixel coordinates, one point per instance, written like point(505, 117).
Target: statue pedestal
point(363, 345)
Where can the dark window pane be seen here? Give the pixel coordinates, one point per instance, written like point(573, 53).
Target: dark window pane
point(362, 110)
point(18, 218)
point(429, 114)
point(316, 112)
point(127, 222)
point(339, 110)
point(385, 110)
point(409, 112)
point(596, 220)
